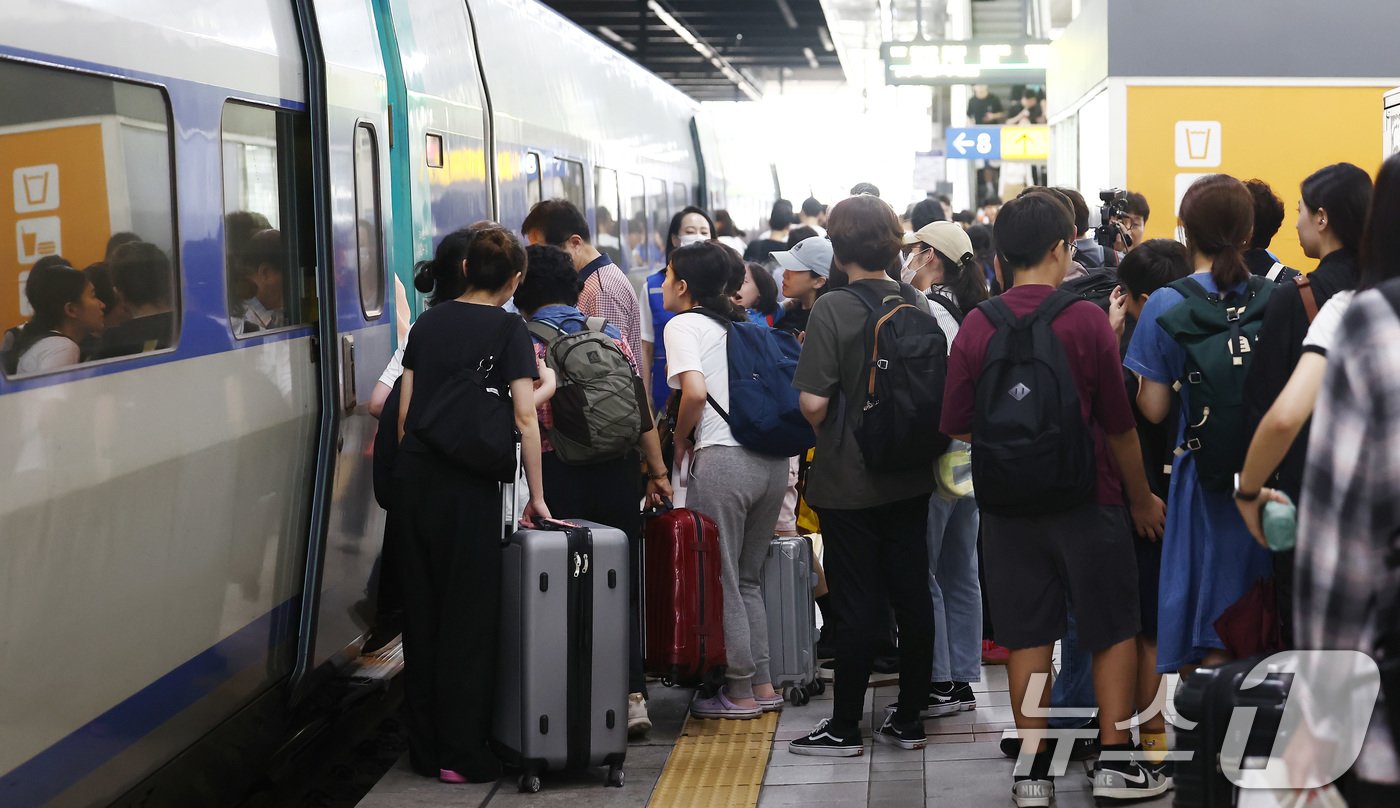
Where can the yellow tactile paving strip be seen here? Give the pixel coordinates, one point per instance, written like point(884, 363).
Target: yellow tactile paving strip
point(716, 764)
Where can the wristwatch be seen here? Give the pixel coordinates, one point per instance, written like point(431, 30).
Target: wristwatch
point(1241, 495)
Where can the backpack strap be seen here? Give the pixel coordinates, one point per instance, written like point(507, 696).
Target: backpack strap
point(595, 323)
point(860, 295)
point(948, 306)
point(1190, 287)
point(996, 310)
point(1304, 284)
point(1274, 271)
point(544, 332)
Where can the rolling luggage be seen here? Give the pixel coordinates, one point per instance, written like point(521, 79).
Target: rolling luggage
point(1209, 697)
point(788, 580)
point(562, 684)
point(684, 625)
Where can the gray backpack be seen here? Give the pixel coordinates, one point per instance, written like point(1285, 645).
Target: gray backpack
point(596, 412)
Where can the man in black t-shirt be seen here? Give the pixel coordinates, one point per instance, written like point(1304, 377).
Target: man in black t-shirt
point(142, 275)
point(984, 107)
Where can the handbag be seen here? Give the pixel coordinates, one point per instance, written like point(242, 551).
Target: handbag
point(472, 423)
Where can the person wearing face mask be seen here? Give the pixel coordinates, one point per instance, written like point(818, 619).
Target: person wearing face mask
point(689, 226)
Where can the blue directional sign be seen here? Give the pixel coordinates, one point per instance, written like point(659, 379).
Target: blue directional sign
point(974, 143)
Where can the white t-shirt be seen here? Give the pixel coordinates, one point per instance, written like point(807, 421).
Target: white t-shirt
point(644, 307)
point(50, 353)
point(699, 343)
point(1322, 334)
point(394, 370)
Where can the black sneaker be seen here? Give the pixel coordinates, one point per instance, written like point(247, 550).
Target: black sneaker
point(1083, 749)
point(946, 698)
point(909, 735)
point(1163, 769)
point(1127, 780)
point(821, 742)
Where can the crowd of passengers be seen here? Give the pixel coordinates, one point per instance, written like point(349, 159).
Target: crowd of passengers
point(124, 304)
point(1157, 569)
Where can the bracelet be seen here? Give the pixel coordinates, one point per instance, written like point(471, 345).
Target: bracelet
point(665, 475)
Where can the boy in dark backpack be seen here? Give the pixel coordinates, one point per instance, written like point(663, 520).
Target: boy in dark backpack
point(871, 492)
point(1036, 386)
point(602, 490)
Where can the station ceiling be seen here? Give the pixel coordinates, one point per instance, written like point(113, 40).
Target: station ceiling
point(739, 47)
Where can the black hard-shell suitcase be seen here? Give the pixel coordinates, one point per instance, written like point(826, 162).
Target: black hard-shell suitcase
point(1209, 697)
point(562, 684)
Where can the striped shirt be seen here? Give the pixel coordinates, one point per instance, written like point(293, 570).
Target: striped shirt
point(608, 294)
point(1350, 510)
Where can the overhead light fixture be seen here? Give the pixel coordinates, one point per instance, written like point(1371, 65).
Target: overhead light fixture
point(825, 37)
point(613, 37)
point(787, 13)
point(706, 52)
point(811, 58)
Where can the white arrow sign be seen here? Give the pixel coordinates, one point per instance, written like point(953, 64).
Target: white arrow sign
point(963, 142)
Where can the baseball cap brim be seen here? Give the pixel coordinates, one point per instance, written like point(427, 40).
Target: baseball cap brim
point(786, 260)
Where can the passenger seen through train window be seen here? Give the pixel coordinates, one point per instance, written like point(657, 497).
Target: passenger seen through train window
point(262, 261)
point(66, 312)
point(145, 282)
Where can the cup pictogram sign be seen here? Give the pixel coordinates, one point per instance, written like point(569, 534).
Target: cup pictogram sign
point(36, 188)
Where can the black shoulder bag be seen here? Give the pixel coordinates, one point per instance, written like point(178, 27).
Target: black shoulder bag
point(472, 423)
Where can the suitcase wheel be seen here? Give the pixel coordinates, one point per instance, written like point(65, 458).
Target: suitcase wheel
point(530, 783)
point(817, 687)
point(615, 776)
point(797, 696)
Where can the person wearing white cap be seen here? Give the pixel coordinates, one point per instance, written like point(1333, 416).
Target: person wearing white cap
point(806, 272)
point(942, 265)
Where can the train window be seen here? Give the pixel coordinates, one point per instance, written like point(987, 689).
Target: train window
point(268, 288)
point(433, 150)
point(368, 221)
point(680, 196)
point(658, 207)
point(87, 239)
point(534, 186)
point(607, 210)
point(634, 213)
point(568, 182)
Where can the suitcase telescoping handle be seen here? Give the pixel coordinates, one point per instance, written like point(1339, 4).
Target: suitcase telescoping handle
point(509, 513)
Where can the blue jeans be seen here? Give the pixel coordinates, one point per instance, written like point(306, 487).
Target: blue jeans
point(957, 596)
point(1074, 687)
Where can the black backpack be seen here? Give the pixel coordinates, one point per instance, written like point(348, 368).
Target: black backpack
point(1096, 286)
point(903, 383)
point(1032, 452)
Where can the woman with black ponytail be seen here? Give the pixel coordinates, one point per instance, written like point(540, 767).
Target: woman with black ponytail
point(448, 517)
point(1209, 560)
point(738, 488)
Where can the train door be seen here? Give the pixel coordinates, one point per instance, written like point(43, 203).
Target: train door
point(350, 133)
point(450, 177)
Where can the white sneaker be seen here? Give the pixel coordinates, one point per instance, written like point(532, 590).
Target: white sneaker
point(638, 722)
point(1032, 793)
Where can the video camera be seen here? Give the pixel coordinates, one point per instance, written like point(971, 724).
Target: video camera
point(1111, 214)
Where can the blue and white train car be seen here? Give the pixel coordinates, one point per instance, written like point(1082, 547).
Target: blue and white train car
point(187, 533)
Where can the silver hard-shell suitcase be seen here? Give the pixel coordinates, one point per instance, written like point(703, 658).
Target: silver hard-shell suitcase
point(562, 683)
point(788, 581)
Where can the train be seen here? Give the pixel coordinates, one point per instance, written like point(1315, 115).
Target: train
point(187, 533)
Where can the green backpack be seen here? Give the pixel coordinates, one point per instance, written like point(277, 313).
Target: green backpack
point(597, 416)
point(1220, 336)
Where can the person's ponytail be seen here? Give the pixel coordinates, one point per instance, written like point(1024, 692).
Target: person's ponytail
point(1217, 214)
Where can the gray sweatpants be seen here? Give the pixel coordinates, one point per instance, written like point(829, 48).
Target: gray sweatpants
point(742, 491)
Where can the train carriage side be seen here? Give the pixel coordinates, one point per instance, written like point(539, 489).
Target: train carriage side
point(575, 119)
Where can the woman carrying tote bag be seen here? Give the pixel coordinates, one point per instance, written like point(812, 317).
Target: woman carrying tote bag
point(469, 372)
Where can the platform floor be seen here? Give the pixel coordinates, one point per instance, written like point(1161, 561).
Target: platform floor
point(962, 766)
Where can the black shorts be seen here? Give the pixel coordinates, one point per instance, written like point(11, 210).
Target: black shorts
point(1149, 561)
point(1035, 563)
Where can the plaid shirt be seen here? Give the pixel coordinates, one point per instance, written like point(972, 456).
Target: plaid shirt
point(1350, 507)
point(608, 294)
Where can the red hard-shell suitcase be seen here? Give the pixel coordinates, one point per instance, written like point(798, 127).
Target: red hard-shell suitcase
point(684, 603)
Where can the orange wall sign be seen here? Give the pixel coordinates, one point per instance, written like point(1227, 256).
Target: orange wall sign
point(53, 200)
point(1277, 134)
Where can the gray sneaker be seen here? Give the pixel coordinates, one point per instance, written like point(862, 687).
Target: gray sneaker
point(1033, 793)
point(1127, 780)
